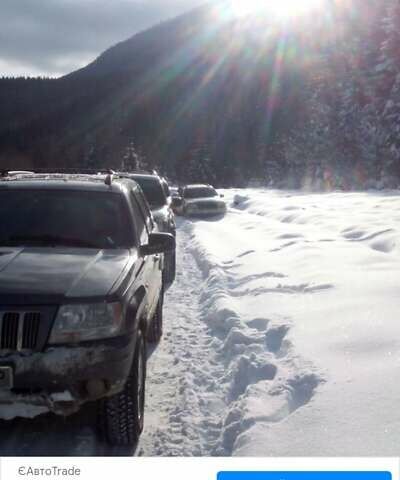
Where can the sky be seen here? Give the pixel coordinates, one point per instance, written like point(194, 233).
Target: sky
point(55, 37)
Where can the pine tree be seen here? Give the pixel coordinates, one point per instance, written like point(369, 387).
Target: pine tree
point(390, 114)
point(130, 160)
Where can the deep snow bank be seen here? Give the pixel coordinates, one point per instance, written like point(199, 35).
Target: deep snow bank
point(301, 295)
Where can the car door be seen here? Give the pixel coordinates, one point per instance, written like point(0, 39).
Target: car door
point(152, 263)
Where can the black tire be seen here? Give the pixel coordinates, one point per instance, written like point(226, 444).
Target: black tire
point(155, 330)
point(169, 271)
point(123, 414)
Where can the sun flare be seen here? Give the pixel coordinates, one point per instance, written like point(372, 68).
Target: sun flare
point(278, 8)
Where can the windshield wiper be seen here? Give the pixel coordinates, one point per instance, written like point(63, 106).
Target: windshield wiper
point(48, 240)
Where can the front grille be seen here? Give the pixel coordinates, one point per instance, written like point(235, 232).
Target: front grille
point(19, 330)
point(9, 331)
point(30, 330)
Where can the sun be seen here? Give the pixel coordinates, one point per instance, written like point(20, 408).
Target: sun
point(281, 9)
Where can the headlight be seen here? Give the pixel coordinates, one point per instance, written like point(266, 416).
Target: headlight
point(77, 323)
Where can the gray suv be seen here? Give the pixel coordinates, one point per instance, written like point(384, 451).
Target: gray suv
point(81, 294)
point(155, 189)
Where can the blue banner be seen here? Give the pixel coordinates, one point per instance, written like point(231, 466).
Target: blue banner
point(304, 476)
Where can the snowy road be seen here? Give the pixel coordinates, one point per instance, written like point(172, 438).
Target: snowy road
point(281, 337)
point(184, 397)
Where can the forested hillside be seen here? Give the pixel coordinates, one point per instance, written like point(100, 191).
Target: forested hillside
point(213, 97)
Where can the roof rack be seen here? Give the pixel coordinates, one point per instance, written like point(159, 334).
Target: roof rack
point(71, 171)
point(108, 172)
point(137, 171)
point(4, 173)
point(7, 173)
point(60, 171)
point(76, 171)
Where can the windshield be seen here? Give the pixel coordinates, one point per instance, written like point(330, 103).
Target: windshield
point(200, 192)
point(63, 218)
point(153, 191)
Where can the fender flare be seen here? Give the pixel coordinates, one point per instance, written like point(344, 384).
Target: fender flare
point(136, 309)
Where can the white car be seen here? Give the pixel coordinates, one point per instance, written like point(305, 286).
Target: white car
point(201, 200)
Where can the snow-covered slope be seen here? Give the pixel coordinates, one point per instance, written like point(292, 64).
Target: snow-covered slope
point(285, 339)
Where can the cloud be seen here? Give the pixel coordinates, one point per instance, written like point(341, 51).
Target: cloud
point(54, 37)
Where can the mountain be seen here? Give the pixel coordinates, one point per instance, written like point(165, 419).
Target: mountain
point(213, 97)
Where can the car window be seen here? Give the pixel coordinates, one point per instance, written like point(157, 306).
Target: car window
point(64, 218)
point(145, 210)
point(140, 218)
point(152, 190)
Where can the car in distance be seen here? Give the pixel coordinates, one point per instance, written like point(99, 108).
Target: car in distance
point(201, 200)
point(155, 189)
point(81, 294)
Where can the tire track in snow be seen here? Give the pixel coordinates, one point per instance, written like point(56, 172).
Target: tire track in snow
point(183, 397)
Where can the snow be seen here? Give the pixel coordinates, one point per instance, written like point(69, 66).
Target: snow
point(281, 336)
point(297, 350)
point(14, 410)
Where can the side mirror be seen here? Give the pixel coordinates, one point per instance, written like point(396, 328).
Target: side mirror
point(158, 243)
point(222, 195)
point(176, 201)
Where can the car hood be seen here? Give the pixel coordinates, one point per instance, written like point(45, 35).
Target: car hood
point(60, 272)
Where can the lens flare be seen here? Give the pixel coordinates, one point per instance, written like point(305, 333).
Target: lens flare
point(278, 8)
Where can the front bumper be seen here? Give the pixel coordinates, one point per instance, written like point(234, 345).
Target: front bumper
point(62, 378)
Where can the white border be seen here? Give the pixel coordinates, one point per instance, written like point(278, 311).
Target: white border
point(197, 468)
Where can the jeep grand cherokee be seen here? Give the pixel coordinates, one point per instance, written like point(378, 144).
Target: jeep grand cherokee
point(80, 294)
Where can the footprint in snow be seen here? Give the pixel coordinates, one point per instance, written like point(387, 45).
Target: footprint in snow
point(259, 324)
point(302, 389)
point(289, 236)
point(384, 246)
point(274, 337)
point(285, 245)
point(248, 371)
point(292, 208)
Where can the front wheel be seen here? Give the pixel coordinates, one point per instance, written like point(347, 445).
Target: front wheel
point(124, 413)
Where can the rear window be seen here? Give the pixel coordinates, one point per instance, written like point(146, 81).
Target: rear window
point(64, 218)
